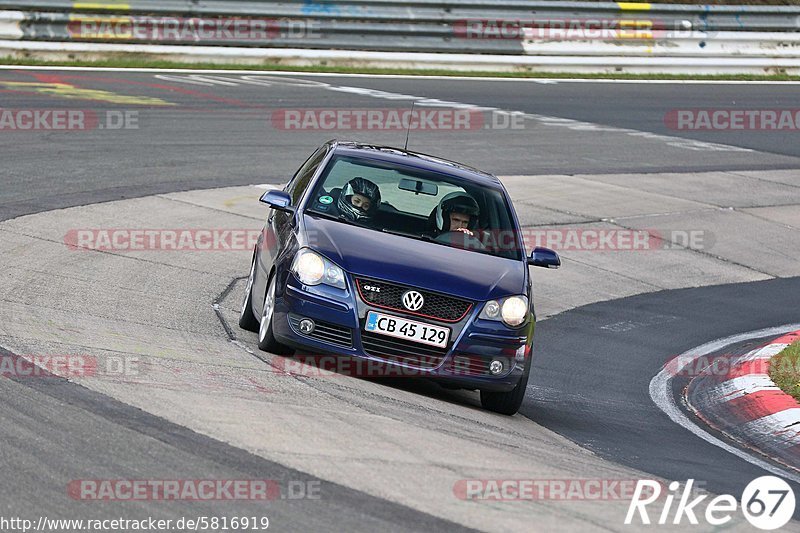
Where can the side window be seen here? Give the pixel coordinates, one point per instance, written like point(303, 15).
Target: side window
point(303, 176)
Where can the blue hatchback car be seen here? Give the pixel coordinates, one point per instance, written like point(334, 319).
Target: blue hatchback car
point(402, 260)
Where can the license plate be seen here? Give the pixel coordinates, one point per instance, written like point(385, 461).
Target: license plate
point(412, 330)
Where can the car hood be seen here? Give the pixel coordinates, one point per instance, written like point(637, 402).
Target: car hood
point(407, 261)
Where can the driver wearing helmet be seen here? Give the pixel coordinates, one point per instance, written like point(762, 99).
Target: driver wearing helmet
point(457, 211)
point(359, 200)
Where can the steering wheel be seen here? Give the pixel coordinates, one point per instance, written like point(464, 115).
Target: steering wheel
point(456, 238)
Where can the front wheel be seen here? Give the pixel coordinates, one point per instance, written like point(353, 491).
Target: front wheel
point(507, 403)
point(266, 340)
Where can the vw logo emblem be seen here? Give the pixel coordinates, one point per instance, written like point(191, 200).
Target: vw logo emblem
point(413, 301)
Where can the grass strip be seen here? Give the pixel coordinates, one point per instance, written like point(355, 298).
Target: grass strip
point(136, 61)
point(784, 370)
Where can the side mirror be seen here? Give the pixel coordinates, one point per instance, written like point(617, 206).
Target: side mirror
point(278, 200)
point(544, 257)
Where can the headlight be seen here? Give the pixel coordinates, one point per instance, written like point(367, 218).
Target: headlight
point(313, 269)
point(514, 310)
point(511, 310)
point(492, 309)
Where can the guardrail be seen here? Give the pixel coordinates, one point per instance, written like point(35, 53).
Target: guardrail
point(497, 27)
point(701, 17)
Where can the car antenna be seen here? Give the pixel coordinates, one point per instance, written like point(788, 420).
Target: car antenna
point(408, 130)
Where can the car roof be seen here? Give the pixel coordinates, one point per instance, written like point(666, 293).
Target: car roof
point(415, 159)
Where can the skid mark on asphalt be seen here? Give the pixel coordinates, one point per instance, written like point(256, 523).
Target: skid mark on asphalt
point(627, 325)
point(64, 86)
point(170, 88)
point(55, 85)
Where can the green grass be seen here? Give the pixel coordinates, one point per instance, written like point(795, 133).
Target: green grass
point(142, 61)
point(784, 370)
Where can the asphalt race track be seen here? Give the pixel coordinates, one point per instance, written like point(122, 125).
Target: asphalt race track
point(586, 154)
point(233, 143)
point(623, 363)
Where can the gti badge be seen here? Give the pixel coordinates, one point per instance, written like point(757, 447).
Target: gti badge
point(413, 301)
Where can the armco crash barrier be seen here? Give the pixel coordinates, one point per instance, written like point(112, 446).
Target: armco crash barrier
point(599, 30)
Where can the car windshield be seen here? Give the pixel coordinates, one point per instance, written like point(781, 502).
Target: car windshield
point(417, 204)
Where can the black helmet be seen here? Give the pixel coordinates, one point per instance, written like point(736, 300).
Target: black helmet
point(364, 187)
point(456, 202)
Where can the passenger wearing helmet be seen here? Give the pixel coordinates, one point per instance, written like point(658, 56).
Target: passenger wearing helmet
point(359, 200)
point(457, 211)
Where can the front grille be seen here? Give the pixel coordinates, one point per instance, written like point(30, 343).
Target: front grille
point(402, 351)
point(390, 296)
point(325, 332)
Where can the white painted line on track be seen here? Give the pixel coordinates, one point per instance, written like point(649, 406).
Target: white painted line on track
point(396, 76)
point(767, 352)
point(661, 394)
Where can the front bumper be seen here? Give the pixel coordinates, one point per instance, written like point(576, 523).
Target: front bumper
point(340, 316)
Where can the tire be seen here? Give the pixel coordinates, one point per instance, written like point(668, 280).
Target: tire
point(266, 340)
point(247, 319)
point(507, 403)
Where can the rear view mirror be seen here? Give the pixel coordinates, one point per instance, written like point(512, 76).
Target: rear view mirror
point(418, 187)
point(279, 200)
point(544, 257)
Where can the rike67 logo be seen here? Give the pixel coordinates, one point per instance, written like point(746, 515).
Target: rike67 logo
point(767, 502)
